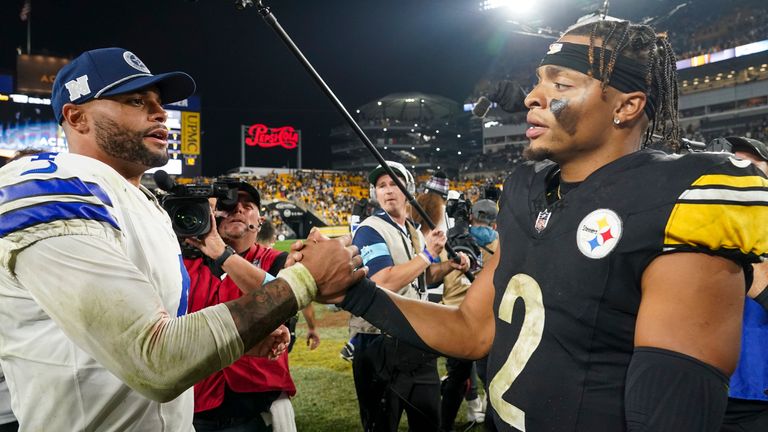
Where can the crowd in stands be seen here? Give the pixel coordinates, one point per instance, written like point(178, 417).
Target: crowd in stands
point(329, 195)
point(701, 27)
point(499, 161)
point(756, 128)
point(703, 33)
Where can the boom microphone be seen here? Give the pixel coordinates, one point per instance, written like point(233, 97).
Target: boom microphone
point(482, 106)
point(163, 180)
point(508, 95)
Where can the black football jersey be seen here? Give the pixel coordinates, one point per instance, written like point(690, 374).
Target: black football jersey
point(567, 286)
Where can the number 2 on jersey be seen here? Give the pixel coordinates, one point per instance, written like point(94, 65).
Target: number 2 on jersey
point(524, 287)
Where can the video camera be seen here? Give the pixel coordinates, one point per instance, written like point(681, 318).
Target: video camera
point(188, 207)
point(459, 208)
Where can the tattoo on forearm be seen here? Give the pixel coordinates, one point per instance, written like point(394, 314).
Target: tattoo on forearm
point(262, 310)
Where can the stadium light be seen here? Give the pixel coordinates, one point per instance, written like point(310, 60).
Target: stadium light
point(515, 8)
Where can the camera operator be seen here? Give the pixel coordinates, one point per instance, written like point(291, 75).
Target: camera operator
point(483, 227)
point(93, 295)
point(252, 389)
point(433, 202)
point(391, 376)
point(267, 237)
point(748, 390)
point(453, 289)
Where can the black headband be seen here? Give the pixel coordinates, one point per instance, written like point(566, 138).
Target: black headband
point(627, 76)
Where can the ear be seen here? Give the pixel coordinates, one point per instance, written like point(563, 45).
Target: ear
point(630, 107)
point(75, 117)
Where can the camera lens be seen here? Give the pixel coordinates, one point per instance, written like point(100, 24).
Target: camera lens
point(190, 219)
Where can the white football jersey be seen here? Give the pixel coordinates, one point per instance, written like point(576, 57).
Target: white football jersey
point(50, 336)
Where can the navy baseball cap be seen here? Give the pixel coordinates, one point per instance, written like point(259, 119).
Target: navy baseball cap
point(112, 71)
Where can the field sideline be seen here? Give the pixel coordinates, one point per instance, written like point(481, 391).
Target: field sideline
point(325, 394)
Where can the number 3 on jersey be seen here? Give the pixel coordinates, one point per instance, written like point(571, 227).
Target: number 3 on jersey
point(524, 287)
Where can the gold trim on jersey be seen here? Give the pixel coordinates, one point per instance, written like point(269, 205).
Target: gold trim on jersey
point(729, 214)
point(732, 181)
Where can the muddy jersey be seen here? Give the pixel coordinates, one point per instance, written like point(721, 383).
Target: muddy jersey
point(93, 302)
point(567, 286)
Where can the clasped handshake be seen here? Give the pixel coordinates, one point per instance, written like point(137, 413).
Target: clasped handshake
point(335, 264)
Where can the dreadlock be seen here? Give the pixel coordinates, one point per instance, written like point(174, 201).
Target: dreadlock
point(640, 43)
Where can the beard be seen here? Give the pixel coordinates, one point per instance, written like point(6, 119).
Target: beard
point(127, 145)
point(537, 154)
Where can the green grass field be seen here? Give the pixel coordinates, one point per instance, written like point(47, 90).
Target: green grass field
point(325, 399)
point(325, 393)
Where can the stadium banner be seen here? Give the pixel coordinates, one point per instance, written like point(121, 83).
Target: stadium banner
point(262, 136)
point(35, 73)
point(190, 133)
point(334, 231)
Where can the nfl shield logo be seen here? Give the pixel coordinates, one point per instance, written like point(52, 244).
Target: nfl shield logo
point(542, 220)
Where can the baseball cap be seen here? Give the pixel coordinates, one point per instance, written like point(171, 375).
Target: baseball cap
point(749, 144)
point(250, 190)
point(396, 166)
point(485, 210)
point(112, 71)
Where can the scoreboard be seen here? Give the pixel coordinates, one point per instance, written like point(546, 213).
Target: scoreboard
point(28, 122)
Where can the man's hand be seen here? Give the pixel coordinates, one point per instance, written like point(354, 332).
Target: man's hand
point(212, 245)
point(463, 264)
point(313, 339)
point(435, 242)
point(335, 264)
point(294, 255)
point(273, 345)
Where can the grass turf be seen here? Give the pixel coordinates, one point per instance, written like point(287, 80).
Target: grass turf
point(325, 398)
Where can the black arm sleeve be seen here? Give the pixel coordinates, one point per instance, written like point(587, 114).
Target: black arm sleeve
point(370, 302)
point(668, 391)
point(278, 264)
point(762, 298)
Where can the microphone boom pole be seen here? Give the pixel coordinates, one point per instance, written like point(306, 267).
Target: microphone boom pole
point(269, 17)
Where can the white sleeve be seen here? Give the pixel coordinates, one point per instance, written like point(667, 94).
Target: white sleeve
point(108, 308)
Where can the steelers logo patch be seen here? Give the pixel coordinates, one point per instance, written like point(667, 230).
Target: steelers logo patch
point(135, 62)
point(599, 233)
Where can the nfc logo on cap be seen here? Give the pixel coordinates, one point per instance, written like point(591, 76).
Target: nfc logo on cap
point(134, 62)
point(78, 88)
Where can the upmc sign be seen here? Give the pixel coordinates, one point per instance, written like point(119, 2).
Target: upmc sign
point(263, 136)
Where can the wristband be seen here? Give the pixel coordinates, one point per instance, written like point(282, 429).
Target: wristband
point(762, 298)
point(302, 283)
point(432, 260)
point(228, 252)
point(423, 256)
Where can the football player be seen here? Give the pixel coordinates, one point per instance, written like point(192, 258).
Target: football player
point(94, 333)
point(614, 301)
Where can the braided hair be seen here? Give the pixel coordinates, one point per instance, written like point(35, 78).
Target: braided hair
point(640, 43)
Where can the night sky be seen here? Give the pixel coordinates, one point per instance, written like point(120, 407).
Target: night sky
point(364, 49)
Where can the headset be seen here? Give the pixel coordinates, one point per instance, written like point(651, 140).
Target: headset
point(410, 183)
